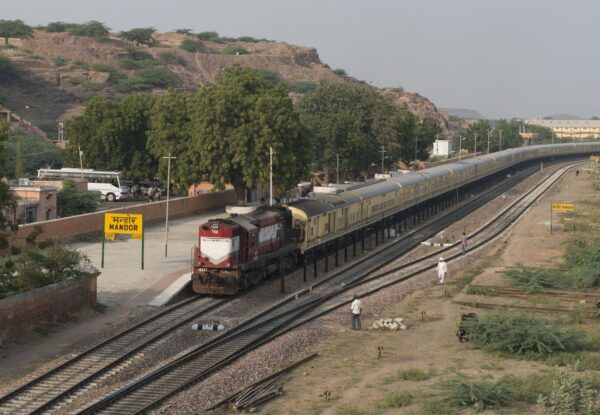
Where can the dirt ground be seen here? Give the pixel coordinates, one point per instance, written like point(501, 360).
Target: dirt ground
point(348, 366)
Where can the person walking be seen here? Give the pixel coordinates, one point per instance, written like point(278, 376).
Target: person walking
point(463, 243)
point(356, 308)
point(442, 270)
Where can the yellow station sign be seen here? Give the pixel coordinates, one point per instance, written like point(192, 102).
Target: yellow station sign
point(130, 224)
point(595, 158)
point(563, 207)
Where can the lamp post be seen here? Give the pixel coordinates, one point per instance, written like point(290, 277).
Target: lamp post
point(169, 158)
point(337, 168)
point(271, 176)
point(382, 149)
point(500, 132)
point(416, 146)
point(475, 146)
point(488, 149)
point(459, 146)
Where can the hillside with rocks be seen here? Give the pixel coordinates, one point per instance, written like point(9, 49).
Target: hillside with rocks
point(56, 72)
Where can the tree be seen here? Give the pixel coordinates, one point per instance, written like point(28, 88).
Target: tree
point(140, 36)
point(170, 132)
point(236, 121)
point(70, 201)
point(39, 154)
point(91, 29)
point(475, 136)
point(7, 203)
point(427, 132)
point(14, 29)
point(353, 120)
point(19, 170)
point(112, 136)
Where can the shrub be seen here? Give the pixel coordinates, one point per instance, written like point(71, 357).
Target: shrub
point(212, 36)
point(416, 375)
point(57, 27)
point(184, 31)
point(139, 36)
point(169, 57)
point(7, 69)
point(148, 78)
point(532, 280)
point(479, 395)
point(139, 55)
point(340, 72)
point(130, 64)
point(349, 410)
point(91, 29)
point(102, 67)
point(523, 335)
point(72, 202)
point(396, 399)
point(34, 267)
point(58, 61)
point(269, 75)
point(248, 39)
point(302, 87)
point(572, 393)
point(192, 45)
point(234, 50)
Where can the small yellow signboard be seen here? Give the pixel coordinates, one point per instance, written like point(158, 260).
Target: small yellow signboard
point(563, 207)
point(124, 223)
point(595, 158)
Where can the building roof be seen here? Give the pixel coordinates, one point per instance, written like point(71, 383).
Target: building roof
point(564, 123)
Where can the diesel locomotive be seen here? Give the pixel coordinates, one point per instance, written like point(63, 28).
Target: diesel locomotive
point(239, 251)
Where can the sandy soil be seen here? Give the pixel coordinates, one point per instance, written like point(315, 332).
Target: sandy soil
point(348, 366)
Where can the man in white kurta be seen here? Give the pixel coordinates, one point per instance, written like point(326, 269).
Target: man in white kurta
point(356, 308)
point(442, 270)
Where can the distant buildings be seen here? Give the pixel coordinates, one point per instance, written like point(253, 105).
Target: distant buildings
point(577, 129)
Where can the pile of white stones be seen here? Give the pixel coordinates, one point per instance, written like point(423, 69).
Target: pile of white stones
point(397, 323)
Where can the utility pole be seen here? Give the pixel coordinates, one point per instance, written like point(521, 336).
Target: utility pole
point(475, 147)
point(459, 146)
point(500, 132)
point(80, 160)
point(169, 158)
point(488, 150)
point(271, 176)
point(382, 158)
point(552, 137)
point(337, 168)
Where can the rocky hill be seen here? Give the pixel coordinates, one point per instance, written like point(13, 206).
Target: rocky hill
point(56, 72)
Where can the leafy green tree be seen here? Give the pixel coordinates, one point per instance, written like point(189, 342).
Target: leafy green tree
point(140, 36)
point(91, 29)
point(112, 136)
point(19, 169)
point(235, 121)
point(192, 45)
point(170, 132)
point(212, 36)
point(475, 135)
point(184, 31)
point(14, 29)
point(57, 27)
point(70, 201)
point(38, 154)
point(4, 133)
point(7, 203)
point(353, 120)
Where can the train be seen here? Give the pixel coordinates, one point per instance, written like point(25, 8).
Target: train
point(237, 252)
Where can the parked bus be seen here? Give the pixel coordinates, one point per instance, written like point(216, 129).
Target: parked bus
point(108, 183)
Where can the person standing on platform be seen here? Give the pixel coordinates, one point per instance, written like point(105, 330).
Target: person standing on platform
point(356, 308)
point(442, 270)
point(463, 243)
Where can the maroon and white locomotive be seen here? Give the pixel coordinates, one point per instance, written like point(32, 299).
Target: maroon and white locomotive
point(240, 251)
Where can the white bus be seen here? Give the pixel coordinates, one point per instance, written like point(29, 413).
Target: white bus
point(108, 183)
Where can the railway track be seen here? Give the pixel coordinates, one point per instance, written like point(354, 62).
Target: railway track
point(46, 392)
point(308, 304)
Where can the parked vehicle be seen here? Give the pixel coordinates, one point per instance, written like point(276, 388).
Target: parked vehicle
point(109, 184)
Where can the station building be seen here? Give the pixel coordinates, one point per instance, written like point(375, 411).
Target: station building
point(572, 129)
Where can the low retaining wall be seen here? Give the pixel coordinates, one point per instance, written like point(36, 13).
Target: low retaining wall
point(24, 312)
point(153, 212)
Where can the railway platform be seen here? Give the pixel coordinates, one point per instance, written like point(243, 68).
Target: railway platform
point(123, 284)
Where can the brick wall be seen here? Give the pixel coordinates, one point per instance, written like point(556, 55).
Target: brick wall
point(22, 313)
point(153, 212)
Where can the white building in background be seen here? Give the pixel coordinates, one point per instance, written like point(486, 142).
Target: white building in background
point(442, 148)
point(578, 129)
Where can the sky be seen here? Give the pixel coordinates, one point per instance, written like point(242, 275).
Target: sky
point(503, 58)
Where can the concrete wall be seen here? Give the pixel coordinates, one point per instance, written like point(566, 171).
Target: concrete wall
point(153, 212)
point(22, 313)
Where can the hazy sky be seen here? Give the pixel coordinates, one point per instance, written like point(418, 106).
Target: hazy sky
point(503, 58)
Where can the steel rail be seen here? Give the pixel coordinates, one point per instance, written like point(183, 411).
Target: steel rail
point(43, 392)
point(209, 357)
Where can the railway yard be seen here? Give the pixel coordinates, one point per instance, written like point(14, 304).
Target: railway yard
point(162, 366)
